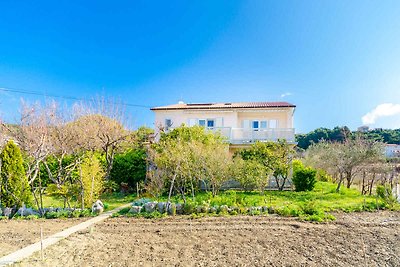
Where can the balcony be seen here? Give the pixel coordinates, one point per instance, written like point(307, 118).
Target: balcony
point(248, 135)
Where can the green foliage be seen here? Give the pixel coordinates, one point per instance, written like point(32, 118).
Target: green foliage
point(15, 189)
point(189, 207)
point(142, 135)
point(69, 192)
point(276, 157)
point(251, 174)
point(323, 176)
point(92, 175)
point(185, 158)
point(304, 178)
point(68, 214)
point(110, 187)
point(53, 166)
point(129, 167)
point(194, 133)
point(385, 193)
point(337, 134)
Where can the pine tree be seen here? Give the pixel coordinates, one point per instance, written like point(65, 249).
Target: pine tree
point(15, 189)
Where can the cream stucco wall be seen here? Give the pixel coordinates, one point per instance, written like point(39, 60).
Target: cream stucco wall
point(231, 118)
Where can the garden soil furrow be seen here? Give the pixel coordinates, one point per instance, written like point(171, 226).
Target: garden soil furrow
point(232, 241)
point(16, 234)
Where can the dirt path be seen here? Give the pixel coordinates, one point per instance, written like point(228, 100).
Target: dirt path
point(358, 239)
point(16, 234)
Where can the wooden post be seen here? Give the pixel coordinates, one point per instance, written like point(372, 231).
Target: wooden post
point(41, 243)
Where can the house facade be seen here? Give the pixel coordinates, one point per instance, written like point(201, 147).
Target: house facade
point(241, 123)
point(392, 151)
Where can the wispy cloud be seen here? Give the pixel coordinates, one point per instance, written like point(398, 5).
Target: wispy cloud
point(382, 110)
point(286, 94)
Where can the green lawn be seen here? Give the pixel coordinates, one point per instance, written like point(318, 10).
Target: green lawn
point(288, 203)
point(312, 205)
point(110, 201)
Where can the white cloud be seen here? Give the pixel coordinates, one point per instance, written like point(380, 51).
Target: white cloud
point(382, 110)
point(286, 94)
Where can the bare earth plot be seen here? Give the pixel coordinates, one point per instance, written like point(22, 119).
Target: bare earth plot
point(357, 239)
point(16, 234)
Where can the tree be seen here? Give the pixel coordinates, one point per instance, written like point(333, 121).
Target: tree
point(102, 125)
point(15, 189)
point(345, 159)
point(92, 179)
point(186, 157)
point(104, 133)
point(275, 156)
point(251, 174)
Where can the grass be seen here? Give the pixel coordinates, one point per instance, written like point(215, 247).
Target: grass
point(314, 205)
point(111, 201)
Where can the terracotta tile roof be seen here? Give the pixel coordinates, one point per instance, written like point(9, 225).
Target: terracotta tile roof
point(225, 105)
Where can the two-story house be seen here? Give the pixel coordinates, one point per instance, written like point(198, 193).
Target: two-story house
point(241, 123)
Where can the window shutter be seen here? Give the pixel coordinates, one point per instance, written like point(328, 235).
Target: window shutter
point(219, 122)
point(192, 122)
point(246, 124)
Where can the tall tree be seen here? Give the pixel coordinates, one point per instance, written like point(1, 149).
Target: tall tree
point(15, 189)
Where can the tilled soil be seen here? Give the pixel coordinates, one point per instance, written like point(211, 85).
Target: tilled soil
point(357, 239)
point(16, 234)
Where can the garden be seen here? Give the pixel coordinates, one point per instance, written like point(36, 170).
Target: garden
point(57, 164)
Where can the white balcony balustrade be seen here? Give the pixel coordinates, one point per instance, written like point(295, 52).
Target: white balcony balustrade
point(249, 135)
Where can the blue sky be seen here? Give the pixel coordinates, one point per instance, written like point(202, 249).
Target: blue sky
point(338, 61)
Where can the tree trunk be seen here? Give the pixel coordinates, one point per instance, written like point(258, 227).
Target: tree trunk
point(283, 183)
point(363, 191)
point(170, 188)
point(372, 183)
point(339, 183)
point(348, 179)
point(277, 181)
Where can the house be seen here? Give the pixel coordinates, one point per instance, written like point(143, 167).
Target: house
point(392, 151)
point(363, 129)
point(241, 123)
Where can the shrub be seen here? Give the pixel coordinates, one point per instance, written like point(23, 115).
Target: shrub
point(31, 217)
point(15, 189)
point(304, 178)
point(129, 167)
point(323, 176)
point(310, 208)
point(189, 208)
point(385, 193)
point(110, 187)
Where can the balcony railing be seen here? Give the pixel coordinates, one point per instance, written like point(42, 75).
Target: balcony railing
point(249, 135)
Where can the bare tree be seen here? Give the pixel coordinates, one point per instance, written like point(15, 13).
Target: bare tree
point(344, 159)
point(101, 124)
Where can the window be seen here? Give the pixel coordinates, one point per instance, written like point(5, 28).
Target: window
point(273, 124)
point(202, 123)
point(263, 124)
point(210, 123)
point(168, 123)
point(256, 124)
